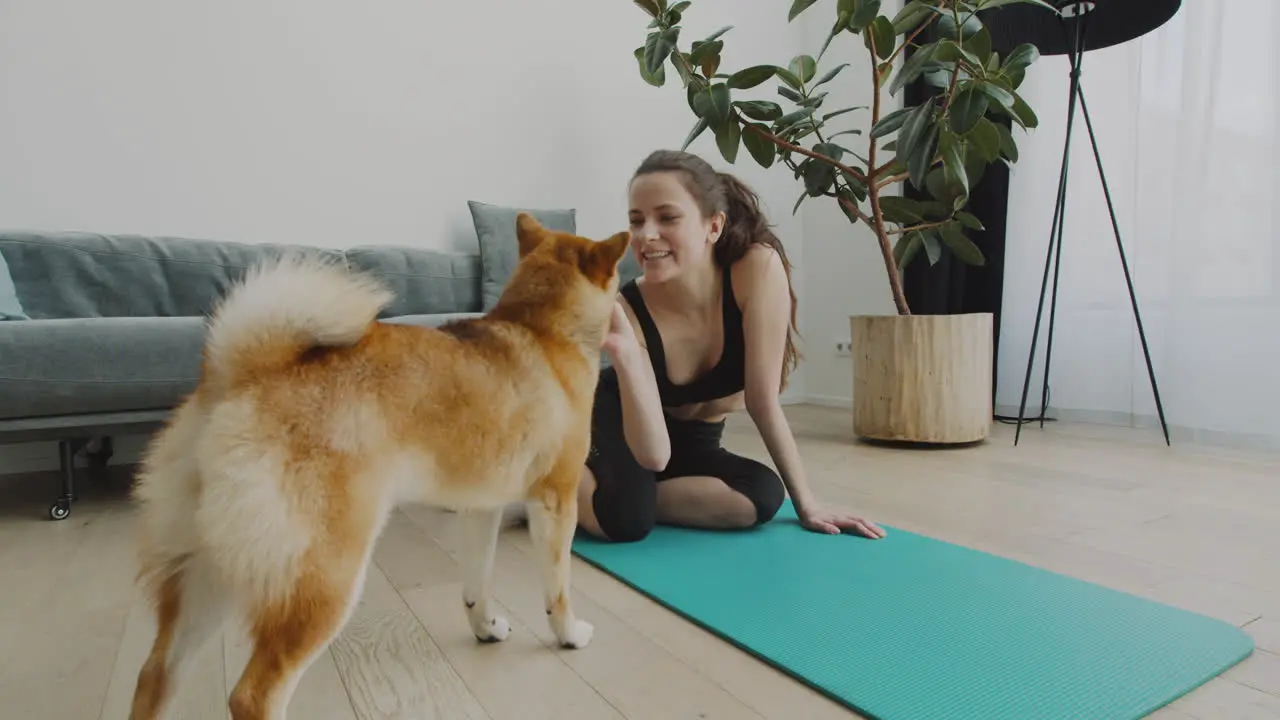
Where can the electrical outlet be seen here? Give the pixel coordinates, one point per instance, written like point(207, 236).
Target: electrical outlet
point(844, 348)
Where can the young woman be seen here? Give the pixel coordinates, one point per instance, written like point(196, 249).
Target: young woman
point(706, 330)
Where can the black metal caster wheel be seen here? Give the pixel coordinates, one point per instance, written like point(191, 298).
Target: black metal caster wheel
point(59, 510)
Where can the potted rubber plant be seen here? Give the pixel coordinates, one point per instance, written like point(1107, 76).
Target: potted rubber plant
point(917, 378)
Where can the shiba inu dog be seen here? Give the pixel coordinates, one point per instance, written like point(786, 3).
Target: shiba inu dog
point(267, 490)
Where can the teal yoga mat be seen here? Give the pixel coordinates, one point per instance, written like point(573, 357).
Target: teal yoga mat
point(913, 628)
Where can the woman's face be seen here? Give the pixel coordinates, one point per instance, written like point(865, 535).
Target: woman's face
point(669, 235)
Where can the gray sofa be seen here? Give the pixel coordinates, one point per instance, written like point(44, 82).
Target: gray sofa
point(107, 331)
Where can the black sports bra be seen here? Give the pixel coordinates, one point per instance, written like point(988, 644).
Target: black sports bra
point(729, 374)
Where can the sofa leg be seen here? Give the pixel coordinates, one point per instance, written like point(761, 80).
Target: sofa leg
point(98, 452)
point(61, 507)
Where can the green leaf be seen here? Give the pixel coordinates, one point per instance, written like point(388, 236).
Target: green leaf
point(864, 14)
point(701, 50)
point(655, 79)
point(760, 147)
point(922, 155)
point(949, 51)
point(979, 46)
point(649, 6)
point(837, 113)
point(750, 77)
point(985, 138)
point(658, 45)
point(891, 122)
point(881, 30)
point(910, 17)
point(839, 26)
point(829, 75)
point(963, 247)
point(789, 78)
point(799, 200)
point(967, 107)
point(997, 93)
point(901, 210)
point(715, 35)
point(673, 14)
point(1008, 148)
point(792, 118)
point(818, 176)
point(803, 67)
point(953, 169)
point(797, 7)
point(1023, 113)
point(714, 104)
point(759, 109)
point(729, 139)
point(697, 130)
point(851, 197)
point(969, 26)
point(912, 68)
point(831, 150)
point(932, 248)
point(790, 94)
point(813, 101)
point(854, 131)
point(907, 247)
point(969, 220)
point(1020, 59)
point(918, 141)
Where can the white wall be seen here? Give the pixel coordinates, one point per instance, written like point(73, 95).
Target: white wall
point(337, 123)
point(1188, 123)
point(844, 273)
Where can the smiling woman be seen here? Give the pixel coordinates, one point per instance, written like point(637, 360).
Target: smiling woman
point(706, 330)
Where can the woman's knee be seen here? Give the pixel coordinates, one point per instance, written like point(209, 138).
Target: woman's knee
point(763, 488)
point(619, 509)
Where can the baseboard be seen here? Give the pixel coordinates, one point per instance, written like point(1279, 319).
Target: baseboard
point(831, 401)
point(1177, 433)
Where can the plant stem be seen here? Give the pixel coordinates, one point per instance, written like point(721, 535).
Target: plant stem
point(873, 195)
point(921, 226)
point(855, 174)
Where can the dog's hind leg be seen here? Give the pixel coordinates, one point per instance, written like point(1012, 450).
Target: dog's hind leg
point(479, 544)
point(553, 517)
point(290, 632)
point(191, 608)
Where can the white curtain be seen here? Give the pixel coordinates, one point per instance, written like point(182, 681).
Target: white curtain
point(1187, 121)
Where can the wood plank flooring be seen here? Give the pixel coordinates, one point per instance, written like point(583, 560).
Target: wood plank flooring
point(1190, 526)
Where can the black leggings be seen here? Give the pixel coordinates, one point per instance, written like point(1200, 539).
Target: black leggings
point(626, 496)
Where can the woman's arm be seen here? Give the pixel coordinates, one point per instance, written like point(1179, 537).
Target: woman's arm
point(643, 422)
point(766, 313)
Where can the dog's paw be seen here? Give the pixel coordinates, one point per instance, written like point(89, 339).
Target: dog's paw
point(496, 630)
point(577, 636)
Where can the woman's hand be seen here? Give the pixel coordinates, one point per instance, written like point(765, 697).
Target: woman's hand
point(830, 522)
point(620, 342)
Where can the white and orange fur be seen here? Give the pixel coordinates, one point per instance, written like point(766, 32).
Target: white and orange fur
point(267, 490)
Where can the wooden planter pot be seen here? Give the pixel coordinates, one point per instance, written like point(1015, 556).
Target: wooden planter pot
point(922, 378)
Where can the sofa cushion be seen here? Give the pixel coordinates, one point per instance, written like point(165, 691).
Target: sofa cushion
point(10, 308)
point(424, 281)
point(84, 275)
point(496, 231)
point(74, 366)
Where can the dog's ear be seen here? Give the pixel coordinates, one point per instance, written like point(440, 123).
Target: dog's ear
point(600, 259)
point(529, 233)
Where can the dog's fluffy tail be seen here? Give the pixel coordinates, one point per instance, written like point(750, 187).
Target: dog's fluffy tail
point(284, 308)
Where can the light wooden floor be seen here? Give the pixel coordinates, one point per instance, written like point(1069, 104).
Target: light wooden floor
point(1190, 527)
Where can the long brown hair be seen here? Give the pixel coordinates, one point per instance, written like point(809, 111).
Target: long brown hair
point(745, 223)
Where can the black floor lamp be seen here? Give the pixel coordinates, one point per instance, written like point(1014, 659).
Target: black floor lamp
point(1076, 27)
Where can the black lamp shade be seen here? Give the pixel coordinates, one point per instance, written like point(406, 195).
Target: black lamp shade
point(1109, 22)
